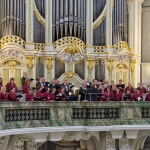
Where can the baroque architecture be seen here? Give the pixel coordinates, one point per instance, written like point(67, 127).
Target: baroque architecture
point(75, 39)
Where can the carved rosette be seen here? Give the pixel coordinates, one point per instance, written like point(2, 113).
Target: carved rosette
point(30, 61)
point(19, 144)
point(110, 64)
point(132, 66)
point(90, 63)
point(69, 136)
point(86, 135)
point(49, 63)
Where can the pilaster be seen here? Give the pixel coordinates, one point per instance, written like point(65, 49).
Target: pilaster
point(48, 25)
point(89, 26)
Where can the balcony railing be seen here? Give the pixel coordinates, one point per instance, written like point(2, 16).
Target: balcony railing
point(15, 115)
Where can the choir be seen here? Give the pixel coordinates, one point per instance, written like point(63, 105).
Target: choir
point(54, 91)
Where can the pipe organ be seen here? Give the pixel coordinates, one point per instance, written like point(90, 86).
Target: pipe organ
point(59, 38)
point(12, 18)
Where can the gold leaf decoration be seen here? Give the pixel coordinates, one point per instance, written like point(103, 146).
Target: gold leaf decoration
point(49, 62)
point(30, 61)
point(90, 63)
point(110, 64)
point(70, 74)
point(132, 66)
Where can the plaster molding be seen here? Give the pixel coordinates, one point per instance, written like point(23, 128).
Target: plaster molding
point(132, 134)
point(56, 136)
point(117, 134)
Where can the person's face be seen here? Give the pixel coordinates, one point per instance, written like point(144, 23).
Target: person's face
point(12, 81)
point(108, 90)
point(40, 89)
point(85, 85)
point(13, 90)
point(141, 84)
point(99, 83)
point(54, 90)
point(137, 91)
point(120, 82)
point(63, 89)
point(30, 91)
point(88, 79)
point(65, 82)
point(25, 74)
point(129, 84)
point(95, 82)
point(0, 80)
point(128, 92)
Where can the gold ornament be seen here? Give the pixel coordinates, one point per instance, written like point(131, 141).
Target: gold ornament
point(120, 45)
point(39, 46)
point(69, 74)
point(99, 49)
point(110, 64)
point(30, 61)
point(121, 66)
point(90, 63)
point(72, 48)
point(11, 63)
point(49, 63)
point(132, 66)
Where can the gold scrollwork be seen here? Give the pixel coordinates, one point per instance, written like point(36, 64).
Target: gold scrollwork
point(38, 15)
point(90, 63)
point(120, 45)
point(79, 62)
point(30, 61)
point(69, 74)
point(72, 48)
point(132, 66)
point(49, 63)
point(41, 59)
point(59, 60)
point(110, 64)
point(12, 63)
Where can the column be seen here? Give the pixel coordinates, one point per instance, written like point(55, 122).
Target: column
point(29, 25)
point(89, 26)
point(48, 25)
point(109, 47)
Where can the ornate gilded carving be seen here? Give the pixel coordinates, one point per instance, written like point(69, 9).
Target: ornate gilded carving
point(69, 74)
point(99, 59)
point(132, 66)
point(41, 59)
point(110, 64)
point(79, 62)
point(49, 63)
point(59, 60)
point(11, 39)
point(72, 48)
point(38, 15)
point(121, 66)
point(90, 63)
point(120, 45)
point(69, 40)
point(11, 63)
point(30, 61)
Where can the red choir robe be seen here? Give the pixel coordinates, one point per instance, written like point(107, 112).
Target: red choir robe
point(29, 97)
point(103, 96)
point(131, 89)
point(12, 97)
point(3, 96)
point(136, 95)
point(110, 96)
point(25, 88)
point(142, 90)
point(63, 97)
point(52, 96)
point(147, 97)
point(9, 86)
point(118, 96)
point(47, 95)
point(39, 94)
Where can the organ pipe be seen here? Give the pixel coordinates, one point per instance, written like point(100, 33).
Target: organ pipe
point(12, 18)
point(71, 22)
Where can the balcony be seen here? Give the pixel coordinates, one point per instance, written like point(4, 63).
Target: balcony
point(15, 115)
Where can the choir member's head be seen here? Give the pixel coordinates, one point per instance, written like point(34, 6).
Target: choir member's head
point(87, 79)
point(129, 84)
point(47, 89)
point(120, 81)
point(108, 89)
point(99, 83)
point(62, 88)
point(39, 88)
point(71, 91)
point(102, 88)
point(141, 85)
point(94, 82)
point(3, 89)
point(30, 90)
point(105, 81)
point(128, 91)
point(65, 81)
point(53, 90)
point(112, 82)
point(54, 81)
point(117, 89)
point(12, 80)
point(27, 82)
point(84, 85)
point(25, 74)
point(12, 89)
point(57, 81)
point(138, 90)
point(1, 80)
